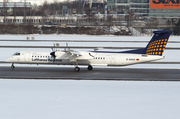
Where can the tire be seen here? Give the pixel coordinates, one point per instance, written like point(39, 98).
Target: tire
point(12, 67)
point(76, 69)
point(89, 67)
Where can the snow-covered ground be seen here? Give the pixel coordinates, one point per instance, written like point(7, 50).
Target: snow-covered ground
point(170, 55)
point(74, 99)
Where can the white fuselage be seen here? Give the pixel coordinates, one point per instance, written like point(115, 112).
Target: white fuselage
point(86, 58)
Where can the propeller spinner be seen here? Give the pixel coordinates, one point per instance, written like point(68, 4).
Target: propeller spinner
point(53, 55)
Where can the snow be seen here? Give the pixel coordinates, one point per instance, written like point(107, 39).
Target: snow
point(68, 99)
point(134, 31)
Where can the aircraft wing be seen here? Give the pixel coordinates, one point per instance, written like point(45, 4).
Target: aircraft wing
point(76, 53)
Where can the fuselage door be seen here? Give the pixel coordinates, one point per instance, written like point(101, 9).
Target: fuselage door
point(27, 57)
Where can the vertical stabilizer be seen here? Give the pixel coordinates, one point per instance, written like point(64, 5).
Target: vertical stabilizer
point(158, 43)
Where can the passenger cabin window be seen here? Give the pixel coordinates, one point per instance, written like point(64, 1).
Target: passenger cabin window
point(16, 54)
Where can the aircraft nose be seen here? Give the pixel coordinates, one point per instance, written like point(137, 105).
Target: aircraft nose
point(8, 60)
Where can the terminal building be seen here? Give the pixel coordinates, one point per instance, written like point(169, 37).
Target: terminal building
point(138, 7)
point(151, 8)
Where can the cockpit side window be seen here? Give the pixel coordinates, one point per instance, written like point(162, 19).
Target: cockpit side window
point(16, 54)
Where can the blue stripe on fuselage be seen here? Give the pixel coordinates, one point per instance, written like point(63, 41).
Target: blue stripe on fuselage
point(137, 51)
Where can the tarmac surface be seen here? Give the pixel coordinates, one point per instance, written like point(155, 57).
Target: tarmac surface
point(59, 73)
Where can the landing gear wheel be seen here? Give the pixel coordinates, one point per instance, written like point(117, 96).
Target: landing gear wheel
point(12, 66)
point(90, 67)
point(76, 69)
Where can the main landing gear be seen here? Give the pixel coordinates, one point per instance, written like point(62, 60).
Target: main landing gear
point(77, 69)
point(12, 66)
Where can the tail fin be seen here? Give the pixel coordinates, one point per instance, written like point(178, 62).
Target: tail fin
point(158, 43)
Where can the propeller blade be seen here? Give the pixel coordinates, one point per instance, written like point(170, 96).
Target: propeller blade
point(66, 44)
point(54, 59)
point(67, 47)
point(54, 46)
point(53, 55)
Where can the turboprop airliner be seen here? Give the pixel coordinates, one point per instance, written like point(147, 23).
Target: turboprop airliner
point(153, 51)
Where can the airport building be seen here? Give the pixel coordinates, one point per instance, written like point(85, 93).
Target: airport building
point(163, 8)
point(9, 7)
point(151, 8)
point(138, 7)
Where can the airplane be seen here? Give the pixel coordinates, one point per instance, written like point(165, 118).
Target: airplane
point(153, 51)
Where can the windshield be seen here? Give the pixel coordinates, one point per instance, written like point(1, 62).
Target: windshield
point(17, 53)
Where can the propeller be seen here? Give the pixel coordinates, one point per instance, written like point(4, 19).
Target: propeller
point(66, 49)
point(53, 53)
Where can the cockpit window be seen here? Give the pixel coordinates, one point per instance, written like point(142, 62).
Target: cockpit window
point(17, 53)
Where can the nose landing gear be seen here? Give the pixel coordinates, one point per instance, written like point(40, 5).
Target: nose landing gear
point(12, 66)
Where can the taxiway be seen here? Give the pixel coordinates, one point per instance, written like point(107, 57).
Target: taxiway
point(57, 73)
